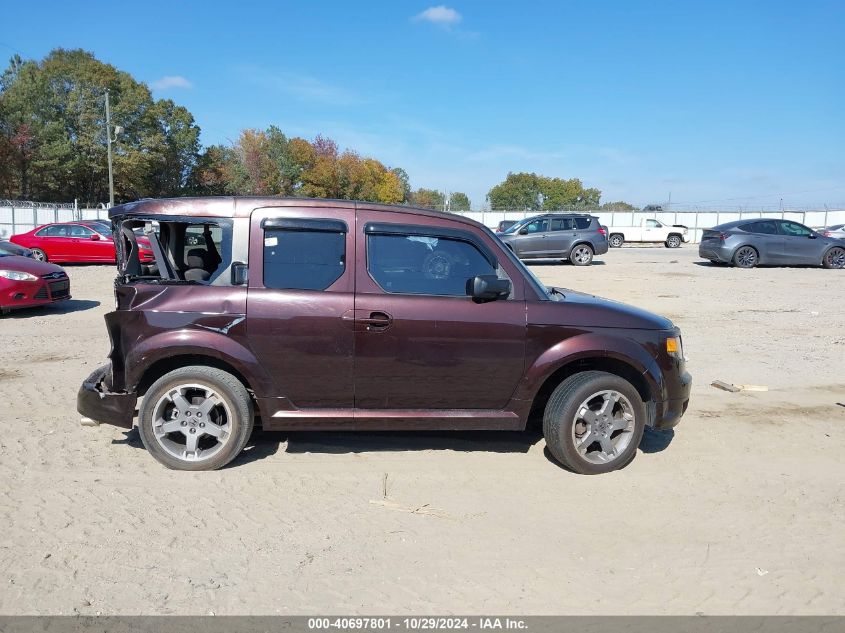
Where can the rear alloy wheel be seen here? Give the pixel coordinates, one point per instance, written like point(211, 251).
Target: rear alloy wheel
point(593, 422)
point(834, 258)
point(38, 254)
point(581, 255)
point(196, 418)
point(616, 241)
point(673, 241)
point(745, 257)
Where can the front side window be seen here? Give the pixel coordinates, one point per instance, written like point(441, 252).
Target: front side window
point(652, 224)
point(537, 226)
point(794, 229)
point(297, 259)
point(80, 231)
point(422, 265)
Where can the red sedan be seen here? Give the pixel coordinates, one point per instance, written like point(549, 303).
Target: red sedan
point(27, 282)
point(76, 242)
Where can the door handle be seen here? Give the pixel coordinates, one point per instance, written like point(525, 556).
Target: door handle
point(377, 321)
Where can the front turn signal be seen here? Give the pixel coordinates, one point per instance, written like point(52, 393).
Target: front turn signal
point(673, 346)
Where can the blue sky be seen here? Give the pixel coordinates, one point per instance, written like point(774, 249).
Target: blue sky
point(723, 103)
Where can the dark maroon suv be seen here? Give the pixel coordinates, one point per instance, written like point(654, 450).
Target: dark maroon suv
point(334, 315)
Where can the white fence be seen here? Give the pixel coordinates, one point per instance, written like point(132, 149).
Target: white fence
point(20, 219)
point(695, 221)
point(15, 219)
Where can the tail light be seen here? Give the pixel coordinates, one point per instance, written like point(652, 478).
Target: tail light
point(826, 233)
point(723, 236)
point(602, 231)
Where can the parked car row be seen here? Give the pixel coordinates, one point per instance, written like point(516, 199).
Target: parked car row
point(86, 241)
point(578, 237)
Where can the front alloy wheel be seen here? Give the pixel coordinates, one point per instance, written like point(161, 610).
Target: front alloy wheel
point(673, 241)
point(593, 422)
point(834, 258)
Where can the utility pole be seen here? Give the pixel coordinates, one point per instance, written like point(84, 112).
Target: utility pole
point(108, 144)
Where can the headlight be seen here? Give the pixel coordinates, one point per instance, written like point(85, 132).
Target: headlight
point(16, 275)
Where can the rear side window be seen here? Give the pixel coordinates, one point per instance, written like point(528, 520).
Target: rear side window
point(767, 227)
point(562, 224)
point(421, 265)
point(297, 259)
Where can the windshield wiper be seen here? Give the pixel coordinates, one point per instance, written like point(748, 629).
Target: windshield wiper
point(555, 291)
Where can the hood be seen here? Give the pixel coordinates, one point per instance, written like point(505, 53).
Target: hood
point(27, 265)
point(583, 310)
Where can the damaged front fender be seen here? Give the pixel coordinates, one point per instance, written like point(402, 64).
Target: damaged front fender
point(95, 400)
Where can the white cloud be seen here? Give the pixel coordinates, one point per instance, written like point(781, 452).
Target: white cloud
point(440, 15)
point(303, 87)
point(171, 81)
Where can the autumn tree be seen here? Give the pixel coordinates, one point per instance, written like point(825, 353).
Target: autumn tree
point(428, 199)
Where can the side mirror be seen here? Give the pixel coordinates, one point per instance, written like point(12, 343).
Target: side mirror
point(523, 231)
point(95, 238)
point(488, 288)
point(813, 236)
point(240, 274)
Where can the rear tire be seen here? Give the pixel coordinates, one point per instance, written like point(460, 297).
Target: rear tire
point(196, 418)
point(593, 422)
point(746, 257)
point(616, 240)
point(581, 255)
point(834, 258)
point(38, 254)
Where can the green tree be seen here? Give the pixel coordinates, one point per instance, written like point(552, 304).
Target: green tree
point(52, 120)
point(518, 191)
point(458, 201)
point(619, 206)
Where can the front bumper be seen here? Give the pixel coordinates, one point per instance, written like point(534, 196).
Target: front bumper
point(31, 294)
point(668, 413)
point(96, 401)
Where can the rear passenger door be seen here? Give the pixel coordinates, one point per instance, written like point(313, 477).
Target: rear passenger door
point(561, 237)
point(300, 302)
point(766, 240)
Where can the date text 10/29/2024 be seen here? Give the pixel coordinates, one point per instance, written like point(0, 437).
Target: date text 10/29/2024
point(417, 623)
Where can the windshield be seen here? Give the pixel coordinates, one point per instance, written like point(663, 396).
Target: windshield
point(7, 248)
point(515, 227)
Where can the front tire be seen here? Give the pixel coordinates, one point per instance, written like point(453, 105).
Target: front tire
point(581, 255)
point(38, 254)
point(616, 240)
point(593, 422)
point(834, 258)
point(196, 418)
point(673, 241)
point(746, 257)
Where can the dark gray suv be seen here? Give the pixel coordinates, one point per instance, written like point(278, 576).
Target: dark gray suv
point(573, 236)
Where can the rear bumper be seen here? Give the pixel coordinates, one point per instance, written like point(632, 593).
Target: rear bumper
point(708, 250)
point(600, 247)
point(96, 401)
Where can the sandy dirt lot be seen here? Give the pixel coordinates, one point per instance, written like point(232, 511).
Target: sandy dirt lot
point(741, 510)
